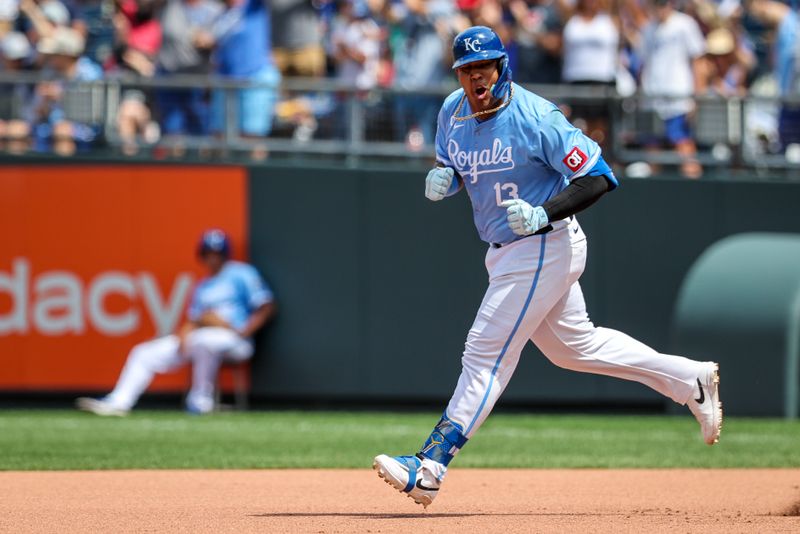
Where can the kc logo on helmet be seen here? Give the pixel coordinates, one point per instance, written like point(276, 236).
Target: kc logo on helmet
point(575, 159)
point(472, 44)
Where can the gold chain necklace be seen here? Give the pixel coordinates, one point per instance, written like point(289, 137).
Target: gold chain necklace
point(506, 102)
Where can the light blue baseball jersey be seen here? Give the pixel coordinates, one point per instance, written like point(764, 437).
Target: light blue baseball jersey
point(528, 150)
point(234, 294)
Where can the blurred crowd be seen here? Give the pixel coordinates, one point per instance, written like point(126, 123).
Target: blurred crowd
point(670, 50)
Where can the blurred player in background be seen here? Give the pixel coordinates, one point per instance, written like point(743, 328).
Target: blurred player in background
point(527, 172)
point(226, 310)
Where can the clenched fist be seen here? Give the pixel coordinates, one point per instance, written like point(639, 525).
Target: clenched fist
point(523, 218)
point(437, 183)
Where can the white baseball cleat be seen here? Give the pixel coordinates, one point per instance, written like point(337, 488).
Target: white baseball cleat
point(410, 475)
point(706, 405)
point(99, 407)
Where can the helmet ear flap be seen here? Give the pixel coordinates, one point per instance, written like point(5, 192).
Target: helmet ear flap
point(502, 86)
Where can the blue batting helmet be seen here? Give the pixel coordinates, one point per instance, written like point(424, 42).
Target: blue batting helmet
point(214, 240)
point(477, 43)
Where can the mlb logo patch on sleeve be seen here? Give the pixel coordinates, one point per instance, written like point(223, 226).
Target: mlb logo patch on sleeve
point(575, 159)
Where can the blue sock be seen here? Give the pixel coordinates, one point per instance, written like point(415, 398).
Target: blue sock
point(444, 442)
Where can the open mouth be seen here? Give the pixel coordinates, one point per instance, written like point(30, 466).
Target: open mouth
point(481, 92)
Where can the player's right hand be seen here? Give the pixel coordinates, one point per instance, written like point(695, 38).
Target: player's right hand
point(437, 183)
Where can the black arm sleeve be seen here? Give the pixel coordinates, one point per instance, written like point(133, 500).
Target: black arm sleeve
point(578, 195)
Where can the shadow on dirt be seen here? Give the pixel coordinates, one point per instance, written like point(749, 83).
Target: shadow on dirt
point(793, 510)
point(424, 515)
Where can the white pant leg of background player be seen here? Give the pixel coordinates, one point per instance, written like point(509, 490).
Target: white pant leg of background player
point(569, 339)
point(526, 279)
point(144, 361)
point(207, 348)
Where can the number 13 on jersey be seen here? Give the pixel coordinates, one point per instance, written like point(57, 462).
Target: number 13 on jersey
point(508, 188)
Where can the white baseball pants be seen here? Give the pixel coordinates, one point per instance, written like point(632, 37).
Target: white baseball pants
point(205, 348)
point(534, 294)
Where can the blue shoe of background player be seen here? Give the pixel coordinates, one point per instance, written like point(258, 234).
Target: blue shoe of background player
point(420, 478)
point(199, 405)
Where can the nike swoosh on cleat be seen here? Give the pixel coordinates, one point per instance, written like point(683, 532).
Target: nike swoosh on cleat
point(702, 398)
point(425, 488)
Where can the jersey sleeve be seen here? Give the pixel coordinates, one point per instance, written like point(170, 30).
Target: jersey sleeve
point(257, 292)
point(565, 148)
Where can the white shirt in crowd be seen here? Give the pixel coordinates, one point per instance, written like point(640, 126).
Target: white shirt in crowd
point(361, 35)
point(591, 49)
point(9, 10)
point(668, 50)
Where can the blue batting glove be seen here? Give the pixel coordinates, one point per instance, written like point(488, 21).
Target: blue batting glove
point(523, 218)
point(437, 183)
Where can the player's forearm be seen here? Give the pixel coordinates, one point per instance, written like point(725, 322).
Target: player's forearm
point(576, 197)
point(697, 74)
point(210, 318)
point(259, 318)
point(43, 26)
point(186, 328)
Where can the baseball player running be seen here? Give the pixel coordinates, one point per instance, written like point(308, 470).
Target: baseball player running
point(527, 172)
point(227, 308)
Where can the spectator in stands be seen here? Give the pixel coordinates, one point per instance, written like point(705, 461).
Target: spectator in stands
point(296, 36)
point(138, 40)
point(57, 126)
point(787, 56)
point(9, 11)
point(355, 42)
point(227, 309)
point(184, 52)
point(760, 35)
point(421, 61)
point(244, 26)
point(491, 13)
point(138, 36)
point(98, 19)
point(537, 34)
point(672, 46)
point(785, 52)
point(591, 52)
point(381, 12)
point(356, 45)
point(41, 18)
point(17, 57)
point(724, 69)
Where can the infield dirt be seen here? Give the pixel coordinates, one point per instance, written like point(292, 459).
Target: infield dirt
point(472, 500)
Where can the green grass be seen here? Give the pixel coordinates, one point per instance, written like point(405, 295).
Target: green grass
point(159, 440)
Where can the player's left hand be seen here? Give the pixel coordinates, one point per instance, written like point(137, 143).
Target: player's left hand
point(523, 218)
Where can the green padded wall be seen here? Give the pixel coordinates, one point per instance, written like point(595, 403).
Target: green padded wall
point(364, 265)
point(740, 306)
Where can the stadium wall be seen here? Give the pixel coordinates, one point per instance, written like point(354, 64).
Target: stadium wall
point(377, 287)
